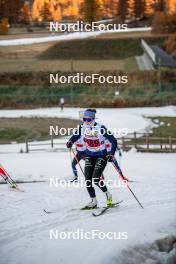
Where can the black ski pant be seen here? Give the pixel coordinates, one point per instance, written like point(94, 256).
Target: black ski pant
point(94, 167)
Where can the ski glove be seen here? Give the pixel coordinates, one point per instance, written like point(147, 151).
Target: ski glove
point(69, 144)
point(110, 158)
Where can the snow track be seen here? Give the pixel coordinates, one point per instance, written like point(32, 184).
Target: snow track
point(25, 228)
point(66, 37)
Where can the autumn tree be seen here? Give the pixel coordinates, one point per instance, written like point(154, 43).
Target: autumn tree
point(91, 10)
point(160, 5)
point(139, 8)
point(160, 23)
point(45, 12)
point(122, 10)
point(25, 14)
point(10, 9)
point(4, 26)
point(61, 7)
point(148, 8)
point(109, 8)
point(172, 22)
point(164, 22)
point(170, 44)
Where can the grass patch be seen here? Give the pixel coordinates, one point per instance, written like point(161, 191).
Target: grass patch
point(166, 126)
point(16, 96)
point(98, 48)
point(18, 129)
point(37, 65)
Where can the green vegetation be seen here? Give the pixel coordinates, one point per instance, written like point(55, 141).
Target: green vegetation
point(20, 129)
point(86, 95)
point(166, 126)
point(98, 48)
point(162, 138)
point(24, 74)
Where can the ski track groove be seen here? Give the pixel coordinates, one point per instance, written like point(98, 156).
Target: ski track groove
point(56, 219)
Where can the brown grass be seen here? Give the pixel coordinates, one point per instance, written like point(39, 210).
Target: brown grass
point(36, 65)
point(18, 129)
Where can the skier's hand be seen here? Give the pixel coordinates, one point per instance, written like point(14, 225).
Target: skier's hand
point(69, 144)
point(110, 158)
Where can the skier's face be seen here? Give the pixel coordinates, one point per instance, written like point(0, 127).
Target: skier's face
point(88, 120)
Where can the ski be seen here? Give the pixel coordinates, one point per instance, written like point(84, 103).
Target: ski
point(104, 209)
point(88, 208)
point(72, 181)
point(48, 212)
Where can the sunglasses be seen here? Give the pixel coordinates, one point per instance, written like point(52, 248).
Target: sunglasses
point(87, 119)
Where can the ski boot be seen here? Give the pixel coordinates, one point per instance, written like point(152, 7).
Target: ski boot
point(91, 205)
point(14, 186)
point(74, 178)
point(109, 199)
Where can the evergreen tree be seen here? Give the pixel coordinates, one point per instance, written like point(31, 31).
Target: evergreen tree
point(140, 8)
point(91, 10)
point(122, 10)
point(160, 5)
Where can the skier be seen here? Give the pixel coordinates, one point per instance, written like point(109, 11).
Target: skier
point(80, 153)
point(61, 103)
point(94, 135)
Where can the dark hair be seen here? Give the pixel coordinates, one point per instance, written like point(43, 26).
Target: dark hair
point(91, 110)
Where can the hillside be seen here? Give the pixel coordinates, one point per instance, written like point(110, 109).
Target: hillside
point(98, 48)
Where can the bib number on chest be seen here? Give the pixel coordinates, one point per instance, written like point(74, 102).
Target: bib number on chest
point(93, 143)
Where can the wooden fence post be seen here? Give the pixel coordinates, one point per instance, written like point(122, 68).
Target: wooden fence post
point(52, 142)
point(161, 143)
point(27, 146)
point(123, 143)
point(170, 143)
point(147, 141)
point(135, 140)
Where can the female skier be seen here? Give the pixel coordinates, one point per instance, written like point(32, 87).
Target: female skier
point(94, 136)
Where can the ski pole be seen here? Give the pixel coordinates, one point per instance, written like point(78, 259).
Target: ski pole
point(8, 179)
point(120, 172)
point(118, 169)
point(126, 184)
point(77, 161)
point(70, 156)
point(120, 155)
point(13, 185)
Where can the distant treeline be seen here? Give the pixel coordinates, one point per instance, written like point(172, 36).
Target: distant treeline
point(89, 10)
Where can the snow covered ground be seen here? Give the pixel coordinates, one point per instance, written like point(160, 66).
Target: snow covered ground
point(70, 36)
point(25, 228)
point(133, 119)
point(117, 119)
